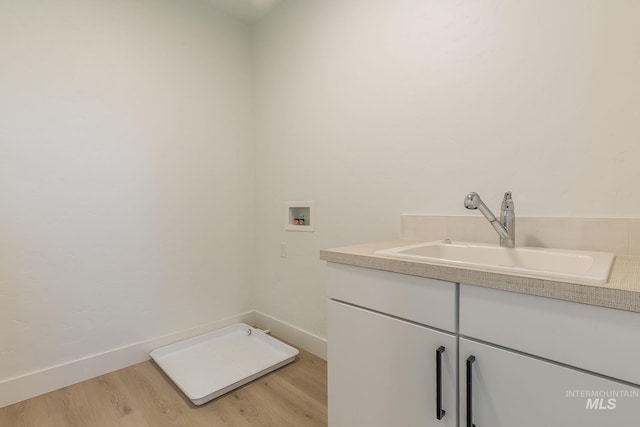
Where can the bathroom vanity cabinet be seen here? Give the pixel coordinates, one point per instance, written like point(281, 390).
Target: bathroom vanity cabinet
point(529, 361)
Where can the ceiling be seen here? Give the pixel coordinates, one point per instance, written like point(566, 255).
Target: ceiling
point(246, 10)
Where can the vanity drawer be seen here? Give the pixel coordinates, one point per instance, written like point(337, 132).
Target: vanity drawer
point(418, 299)
point(597, 339)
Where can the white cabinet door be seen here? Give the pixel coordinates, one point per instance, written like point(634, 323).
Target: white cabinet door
point(513, 390)
point(383, 371)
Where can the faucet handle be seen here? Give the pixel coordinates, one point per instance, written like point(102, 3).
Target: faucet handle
point(507, 202)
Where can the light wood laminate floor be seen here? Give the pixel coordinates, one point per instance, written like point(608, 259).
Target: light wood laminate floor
point(142, 396)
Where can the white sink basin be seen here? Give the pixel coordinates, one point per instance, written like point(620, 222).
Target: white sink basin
point(584, 266)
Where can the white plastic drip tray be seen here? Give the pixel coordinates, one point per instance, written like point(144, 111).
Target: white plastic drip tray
point(209, 365)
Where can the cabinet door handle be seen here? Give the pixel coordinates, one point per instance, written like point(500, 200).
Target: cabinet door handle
point(470, 361)
point(439, 411)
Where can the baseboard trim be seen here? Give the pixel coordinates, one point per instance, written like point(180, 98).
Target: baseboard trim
point(17, 389)
point(294, 335)
point(33, 384)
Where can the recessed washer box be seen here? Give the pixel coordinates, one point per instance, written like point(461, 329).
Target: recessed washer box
point(299, 216)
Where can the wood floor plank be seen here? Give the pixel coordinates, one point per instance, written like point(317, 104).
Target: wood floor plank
point(143, 396)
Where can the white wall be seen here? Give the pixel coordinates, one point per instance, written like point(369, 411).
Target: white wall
point(127, 202)
point(126, 174)
point(373, 108)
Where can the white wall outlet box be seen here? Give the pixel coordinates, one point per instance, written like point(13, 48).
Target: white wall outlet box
point(299, 216)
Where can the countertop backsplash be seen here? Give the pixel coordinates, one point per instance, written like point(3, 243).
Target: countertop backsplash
point(618, 235)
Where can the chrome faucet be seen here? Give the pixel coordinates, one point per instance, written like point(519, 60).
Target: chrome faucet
point(506, 227)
